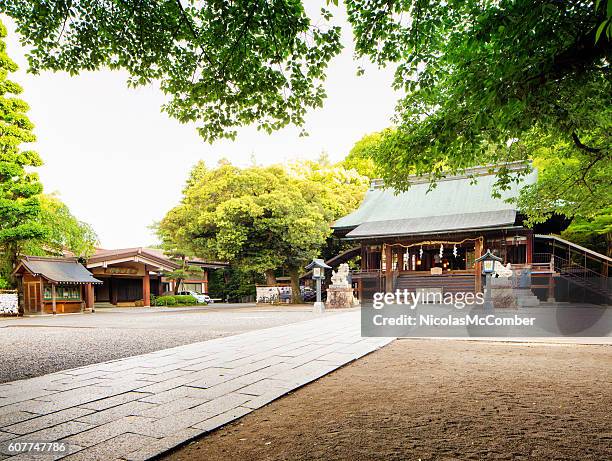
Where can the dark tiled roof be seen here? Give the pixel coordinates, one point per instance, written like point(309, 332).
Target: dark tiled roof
point(435, 224)
point(58, 270)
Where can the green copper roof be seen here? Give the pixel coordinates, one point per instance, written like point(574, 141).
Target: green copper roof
point(452, 196)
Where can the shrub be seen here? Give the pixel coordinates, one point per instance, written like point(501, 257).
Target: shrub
point(185, 300)
point(170, 300)
point(177, 300)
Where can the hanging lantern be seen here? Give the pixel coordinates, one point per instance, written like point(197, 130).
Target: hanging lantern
point(421, 252)
point(441, 250)
point(455, 251)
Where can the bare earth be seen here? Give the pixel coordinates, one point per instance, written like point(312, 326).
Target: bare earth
point(436, 400)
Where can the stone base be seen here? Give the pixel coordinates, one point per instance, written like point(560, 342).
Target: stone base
point(339, 298)
point(318, 308)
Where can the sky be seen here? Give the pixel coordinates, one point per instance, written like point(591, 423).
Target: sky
point(120, 164)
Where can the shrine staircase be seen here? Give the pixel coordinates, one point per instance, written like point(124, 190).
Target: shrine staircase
point(578, 265)
point(449, 283)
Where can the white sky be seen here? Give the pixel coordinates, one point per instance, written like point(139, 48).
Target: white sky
point(120, 164)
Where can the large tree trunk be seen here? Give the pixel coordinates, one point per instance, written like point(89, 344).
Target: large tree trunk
point(270, 278)
point(296, 294)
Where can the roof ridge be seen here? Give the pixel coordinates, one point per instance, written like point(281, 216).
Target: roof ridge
point(480, 170)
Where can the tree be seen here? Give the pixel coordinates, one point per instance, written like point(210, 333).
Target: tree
point(62, 231)
point(361, 156)
point(223, 64)
point(595, 233)
point(259, 219)
point(488, 82)
point(19, 204)
point(183, 273)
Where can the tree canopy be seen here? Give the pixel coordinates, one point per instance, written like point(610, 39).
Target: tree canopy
point(261, 218)
point(488, 82)
point(19, 188)
point(63, 232)
point(30, 223)
point(223, 64)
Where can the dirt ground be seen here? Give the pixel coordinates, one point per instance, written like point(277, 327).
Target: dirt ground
point(436, 400)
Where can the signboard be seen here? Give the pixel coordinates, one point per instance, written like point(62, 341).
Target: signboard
point(273, 295)
point(118, 270)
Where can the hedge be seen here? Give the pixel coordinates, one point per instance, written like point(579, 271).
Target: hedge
point(178, 300)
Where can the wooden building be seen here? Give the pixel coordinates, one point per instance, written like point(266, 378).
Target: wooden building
point(431, 238)
point(129, 276)
point(54, 285)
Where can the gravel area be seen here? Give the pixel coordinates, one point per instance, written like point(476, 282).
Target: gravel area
point(435, 400)
point(36, 346)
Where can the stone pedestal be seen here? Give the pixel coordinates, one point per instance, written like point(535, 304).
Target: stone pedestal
point(319, 307)
point(339, 297)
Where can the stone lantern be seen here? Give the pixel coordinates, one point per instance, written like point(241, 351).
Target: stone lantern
point(318, 267)
point(488, 269)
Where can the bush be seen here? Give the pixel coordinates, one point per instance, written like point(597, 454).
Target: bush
point(178, 300)
point(186, 300)
point(170, 300)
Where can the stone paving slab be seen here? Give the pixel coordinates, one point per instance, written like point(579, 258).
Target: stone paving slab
point(139, 407)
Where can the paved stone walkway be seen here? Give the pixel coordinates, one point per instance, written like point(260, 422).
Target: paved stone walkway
point(139, 407)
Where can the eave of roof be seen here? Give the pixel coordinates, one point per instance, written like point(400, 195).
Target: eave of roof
point(124, 253)
point(57, 270)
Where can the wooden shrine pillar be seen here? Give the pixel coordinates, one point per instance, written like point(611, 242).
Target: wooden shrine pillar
point(400, 258)
point(388, 268)
point(146, 289)
point(529, 249)
point(363, 266)
point(478, 244)
point(89, 296)
point(53, 305)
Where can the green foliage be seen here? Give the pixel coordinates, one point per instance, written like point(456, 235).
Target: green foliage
point(185, 300)
point(184, 272)
point(261, 218)
point(166, 301)
point(63, 231)
point(19, 188)
point(487, 82)
point(233, 284)
point(362, 155)
point(176, 300)
point(223, 64)
point(594, 233)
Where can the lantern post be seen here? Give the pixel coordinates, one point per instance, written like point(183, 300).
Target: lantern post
point(488, 269)
point(318, 267)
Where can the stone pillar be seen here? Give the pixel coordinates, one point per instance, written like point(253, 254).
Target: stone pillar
point(478, 266)
point(146, 289)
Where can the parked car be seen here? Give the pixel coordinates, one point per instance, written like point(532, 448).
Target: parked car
point(308, 294)
point(199, 297)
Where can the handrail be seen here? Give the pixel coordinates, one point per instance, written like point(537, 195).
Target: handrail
point(576, 246)
point(562, 265)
